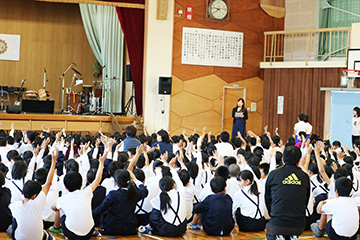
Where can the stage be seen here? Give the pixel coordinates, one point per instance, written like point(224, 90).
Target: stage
point(84, 124)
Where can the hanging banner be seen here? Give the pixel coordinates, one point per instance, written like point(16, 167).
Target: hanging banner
point(9, 47)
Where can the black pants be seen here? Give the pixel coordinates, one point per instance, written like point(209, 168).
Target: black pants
point(354, 139)
point(332, 234)
point(272, 231)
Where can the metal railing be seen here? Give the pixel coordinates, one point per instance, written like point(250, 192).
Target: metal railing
point(306, 45)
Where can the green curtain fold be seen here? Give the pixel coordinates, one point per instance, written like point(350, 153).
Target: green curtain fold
point(106, 40)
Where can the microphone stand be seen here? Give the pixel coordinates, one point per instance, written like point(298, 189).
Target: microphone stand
point(62, 76)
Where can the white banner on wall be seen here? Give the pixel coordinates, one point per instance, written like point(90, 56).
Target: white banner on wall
point(212, 47)
point(9, 47)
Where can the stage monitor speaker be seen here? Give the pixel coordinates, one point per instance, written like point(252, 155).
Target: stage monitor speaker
point(13, 109)
point(128, 73)
point(165, 85)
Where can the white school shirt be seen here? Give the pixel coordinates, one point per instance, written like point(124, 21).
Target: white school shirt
point(308, 128)
point(153, 190)
point(109, 184)
point(248, 208)
point(3, 152)
point(77, 208)
point(51, 198)
point(169, 216)
point(300, 127)
point(29, 218)
point(355, 126)
point(189, 196)
point(232, 187)
point(345, 215)
point(224, 149)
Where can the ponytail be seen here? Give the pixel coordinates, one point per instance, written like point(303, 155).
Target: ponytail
point(122, 178)
point(131, 192)
point(247, 175)
point(165, 184)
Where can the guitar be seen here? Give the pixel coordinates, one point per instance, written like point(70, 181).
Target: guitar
point(17, 103)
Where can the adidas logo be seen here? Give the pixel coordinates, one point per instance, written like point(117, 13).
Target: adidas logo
point(292, 179)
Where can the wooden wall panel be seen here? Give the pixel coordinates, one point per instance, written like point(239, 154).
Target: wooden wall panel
point(207, 81)
point(301, 91)
point(52, 36)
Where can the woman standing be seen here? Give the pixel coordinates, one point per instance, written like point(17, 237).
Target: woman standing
point(240, 115)
point(355, 125)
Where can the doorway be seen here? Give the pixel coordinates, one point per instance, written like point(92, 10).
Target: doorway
point(231, 95)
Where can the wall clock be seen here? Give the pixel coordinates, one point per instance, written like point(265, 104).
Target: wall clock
point(218, 10)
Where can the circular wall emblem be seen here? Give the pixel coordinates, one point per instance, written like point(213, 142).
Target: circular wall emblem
point(3, 46)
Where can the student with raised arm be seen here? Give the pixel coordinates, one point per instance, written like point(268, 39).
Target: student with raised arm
point(74, 209)
point(27, 222)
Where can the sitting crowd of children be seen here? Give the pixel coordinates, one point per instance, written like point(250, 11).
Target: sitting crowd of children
point(84, 186)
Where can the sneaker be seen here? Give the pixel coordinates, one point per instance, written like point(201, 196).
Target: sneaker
point(96, 233)
point(294, 237)
point(279, 237)
point(49, 236)
point(194, 227)
point(55, 230)
point(317, 232)
point(144, 230)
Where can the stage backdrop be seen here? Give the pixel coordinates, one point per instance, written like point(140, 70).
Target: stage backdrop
point(52, 36)
point(195, 100)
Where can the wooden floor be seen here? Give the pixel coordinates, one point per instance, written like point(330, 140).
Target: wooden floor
point(189, 235)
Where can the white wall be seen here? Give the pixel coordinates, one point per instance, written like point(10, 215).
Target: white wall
point(157, 62)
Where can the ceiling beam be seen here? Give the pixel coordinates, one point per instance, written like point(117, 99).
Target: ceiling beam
point(103, 3)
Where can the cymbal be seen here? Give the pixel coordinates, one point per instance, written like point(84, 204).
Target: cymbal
point(76, 71)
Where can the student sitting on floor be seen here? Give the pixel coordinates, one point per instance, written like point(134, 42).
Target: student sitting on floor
point(215, 212)
point(99, 194)
point(343, 209)
point(168, 217)
point(5, 196)
point(118, 208)
point(73, 210)
point(249, 205)
point(27, 222)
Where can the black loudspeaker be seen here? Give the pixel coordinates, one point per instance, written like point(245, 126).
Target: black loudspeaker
point(165, 85)
point(13, 109)
point(128, 73)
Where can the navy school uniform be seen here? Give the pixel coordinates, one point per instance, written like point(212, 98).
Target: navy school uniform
point(98, 197)
point(118, 212)
point(164, 228)
point(6, 217)
point(216, 216)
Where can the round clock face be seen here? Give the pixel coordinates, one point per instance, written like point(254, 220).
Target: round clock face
point(218, 9)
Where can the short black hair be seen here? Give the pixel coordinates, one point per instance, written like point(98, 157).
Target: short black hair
point(31, 135)
point(224, 136)
point(130, 131)
point(71, 165)
point(217, 184)
point(113, 166)
point(301, 116)
point(11, 154)
point(31, 188)
point(265, 167)
point(184, 176)
point(91, 175)
point(229, 160)
point(222, 171)
point(139, 174)
point(41, 175)
point(343, 186)
point(336, 143)
point(19, 170)
point(164, 136)
point(193, 169)
point(291, 155)
point(132, 151)
point(73, 181)
point(3, 168)
point(157, 163)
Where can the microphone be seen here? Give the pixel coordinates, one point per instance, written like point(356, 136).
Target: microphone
point(44, 70)
point(102, 67)
point(74, 64)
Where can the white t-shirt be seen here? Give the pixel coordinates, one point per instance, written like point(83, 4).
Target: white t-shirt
point(355, 126)
point(77, 208)
point(308, 128)
point(109, 184)
point(52, 196)
point(232, 187)
point(345, 215)
point(225, 149)
point(29, 218)
point(189, 196)
point(300, 126)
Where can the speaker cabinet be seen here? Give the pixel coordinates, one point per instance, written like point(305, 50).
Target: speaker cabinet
point(128, 73)
point(165, 85)
point(13, 109)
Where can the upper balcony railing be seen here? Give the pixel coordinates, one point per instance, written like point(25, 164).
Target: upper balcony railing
point(307, 45)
